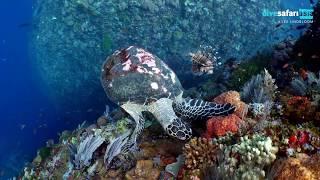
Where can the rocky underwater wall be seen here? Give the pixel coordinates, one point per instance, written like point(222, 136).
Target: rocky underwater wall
point(73, 37)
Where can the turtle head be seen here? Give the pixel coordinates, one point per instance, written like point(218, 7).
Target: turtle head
point(179, 129)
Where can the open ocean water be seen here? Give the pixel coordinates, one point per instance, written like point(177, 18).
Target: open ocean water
point(28, 117)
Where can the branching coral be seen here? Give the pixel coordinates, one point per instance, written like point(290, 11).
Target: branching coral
point(200, 153)
point(259, 89)
point(247, 159)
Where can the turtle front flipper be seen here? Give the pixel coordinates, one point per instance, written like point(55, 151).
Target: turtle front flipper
point(174, 126)
point(195, 109)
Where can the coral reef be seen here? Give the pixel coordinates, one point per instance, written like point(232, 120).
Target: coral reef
point(298, 109)
point(115, 147)
point(307, 86)
point(306, 49)
point(302, 167)
point(233, 97)
point(174, 168)
point(247, 159)
point(261, 135)
point(143, 170)
point(200, 154)
point(282, 53)
point(86, 149)
point(220, 126)
point(78, 34)
point(243, 72)
point(260, 89)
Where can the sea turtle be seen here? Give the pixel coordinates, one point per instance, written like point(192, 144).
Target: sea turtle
point(139, 81)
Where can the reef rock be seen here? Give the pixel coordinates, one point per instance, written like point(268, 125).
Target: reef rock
point(143, 170)
point(233, 97)
point(303, 168)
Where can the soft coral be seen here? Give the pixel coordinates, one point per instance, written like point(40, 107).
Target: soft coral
point(219, 126)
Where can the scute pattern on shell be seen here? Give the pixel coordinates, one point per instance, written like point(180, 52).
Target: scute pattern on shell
point(134, 74)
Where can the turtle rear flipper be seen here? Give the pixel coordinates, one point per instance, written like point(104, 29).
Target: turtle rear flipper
point(195, 109)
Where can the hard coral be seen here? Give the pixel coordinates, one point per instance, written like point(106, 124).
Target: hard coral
point(200, 153)
point(220, 126)
point(246, 159)
point(232, 97)
point(303, 167)
point(143, 170)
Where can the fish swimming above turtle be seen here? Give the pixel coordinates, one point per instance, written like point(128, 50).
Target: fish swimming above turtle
point(140, 82)
point(204, 60)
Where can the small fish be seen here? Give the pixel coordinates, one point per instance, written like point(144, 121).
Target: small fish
point(301, 26)
point(35, 131)
point(24, 25)
point(204, 60)
point(285, 66)
point(278, 25)
point(303, 73)
point(22, 126)
point(43, 125)
point(314, 56)
point(300, 54)
point(201, 63)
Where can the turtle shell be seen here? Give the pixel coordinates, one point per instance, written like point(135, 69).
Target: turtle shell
point(136, 75)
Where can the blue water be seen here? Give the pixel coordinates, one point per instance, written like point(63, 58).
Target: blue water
point(28, 116)
point(21, 99)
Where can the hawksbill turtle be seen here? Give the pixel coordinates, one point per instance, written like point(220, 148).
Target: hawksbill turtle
point(139, 81)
